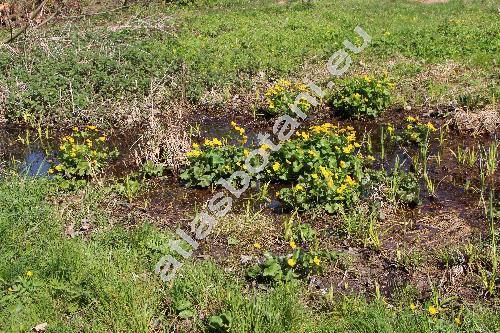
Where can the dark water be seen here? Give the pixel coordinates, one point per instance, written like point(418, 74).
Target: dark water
point(35, 164)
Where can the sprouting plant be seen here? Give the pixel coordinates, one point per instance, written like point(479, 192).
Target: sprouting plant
point(368, 139)
point(482, 177)
point(490, 278)
point(442, 132)
point(491, 158)
point(459, 155)
point(438, 303)
point(373, 239)
point(466, 155)
point(194, 130)
point(288, 226)
point(128, 187)
point(438, 158)
point(408, 259)
point(424, 151)
point(382, 143)
point(431, 186)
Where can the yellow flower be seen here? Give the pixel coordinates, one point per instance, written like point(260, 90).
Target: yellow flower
point(314, 176)
point(341, 189)
point(71, 139)
point(348, 149)
point(409, 127)
point(212, 143)
point(75, 129)
point(277, 194)
point(193, 153)
point(432, 310)
point(313, 153)
point(59, 167)
point(431, 127)
point(413, 306)
point(51, 171)
point(62, 147)
point(102, 138)
point(357, 145)
point(349, 181)
point(343, 164)
point(329, 183)
point(390, 129)
point(73, 155)
point(411, 119)
point(326, 173)
point(305, 136)
point(89, 143)
point(458, 321)
point(246, 152)
point(293, 245)
point(316, 260)
point(196, 146)
point(291, 262)
point(367, 78)
point(299, 187)
point(244, 139)
point(90, 127)
point(29, 273)
point(276, 166)
point(10, 290)
point(370, 158)
point(265, 147)
point(357, 96)
point(257, 245)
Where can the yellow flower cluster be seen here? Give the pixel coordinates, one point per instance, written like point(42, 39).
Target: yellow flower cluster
point(213, 143)
point(282, 88)
point(241, 132)
point(325, 128)
point(195, 152)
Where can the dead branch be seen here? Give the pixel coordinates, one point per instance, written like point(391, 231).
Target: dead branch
point(33, 15)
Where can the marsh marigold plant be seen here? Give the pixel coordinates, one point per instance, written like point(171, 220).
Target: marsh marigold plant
point(82, 154)
point(283, 93)
point(361, 97)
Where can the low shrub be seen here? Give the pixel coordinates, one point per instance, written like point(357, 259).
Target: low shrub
point(361, 97)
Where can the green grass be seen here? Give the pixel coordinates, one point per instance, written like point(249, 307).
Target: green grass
point(104, 281)
point(224, 44)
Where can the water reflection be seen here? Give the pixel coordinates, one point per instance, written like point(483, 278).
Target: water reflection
point(35, 164)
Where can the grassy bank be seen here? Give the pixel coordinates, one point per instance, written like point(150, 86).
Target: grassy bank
point(77, 70)
point(103, 280)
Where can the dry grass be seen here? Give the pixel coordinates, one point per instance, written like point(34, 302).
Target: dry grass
point(164, 140)
point(478, 121)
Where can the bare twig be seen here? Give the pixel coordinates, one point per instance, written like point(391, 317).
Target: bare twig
point(33, 15)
